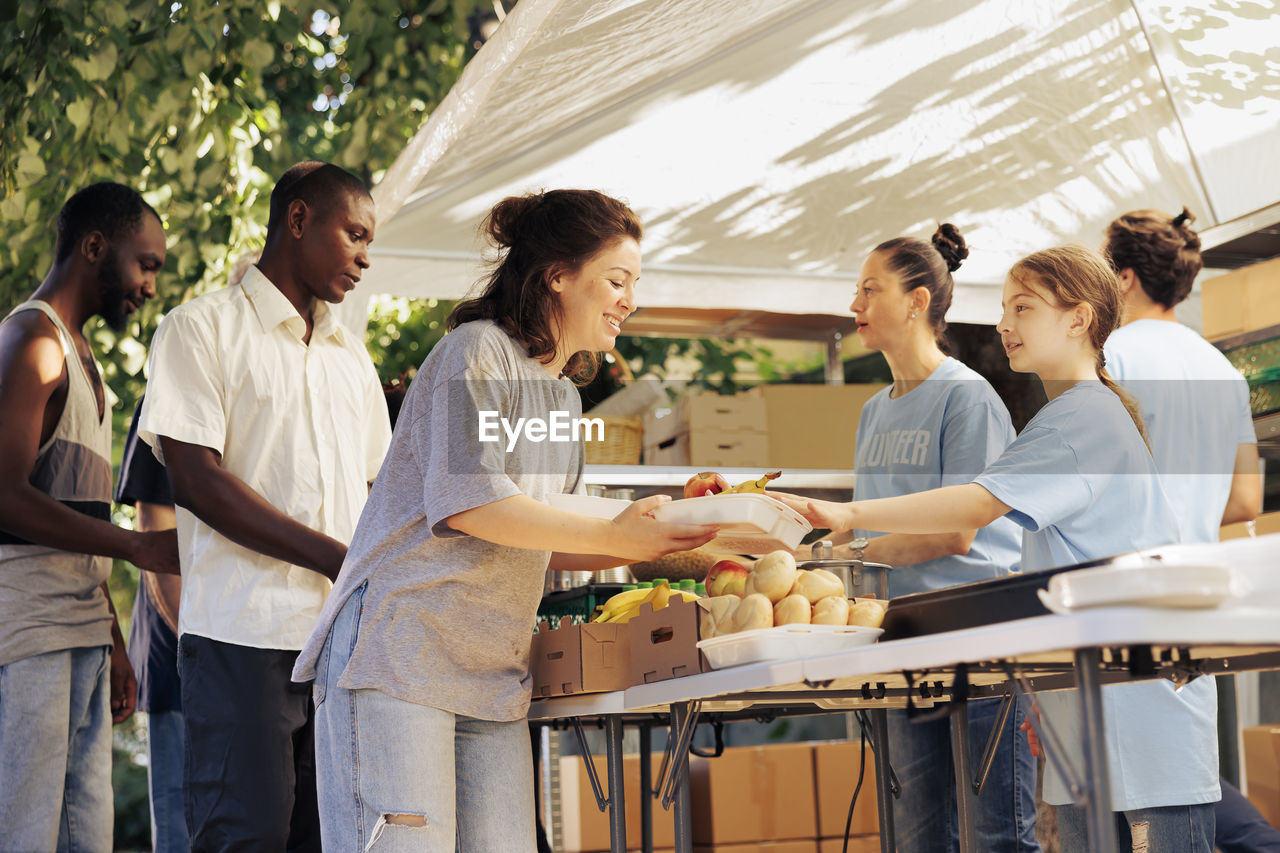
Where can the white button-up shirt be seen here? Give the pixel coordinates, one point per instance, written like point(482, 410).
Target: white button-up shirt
point(304, 426)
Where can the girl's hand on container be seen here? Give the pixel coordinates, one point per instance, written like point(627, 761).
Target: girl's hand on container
point(829, 514)
point(639, 536)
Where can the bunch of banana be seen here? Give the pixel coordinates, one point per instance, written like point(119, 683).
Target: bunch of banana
point(756, 486)
point(625, 605)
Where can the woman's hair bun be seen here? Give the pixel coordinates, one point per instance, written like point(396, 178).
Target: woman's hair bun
point(507, 220)
point(950, 245)
point(1186, 217)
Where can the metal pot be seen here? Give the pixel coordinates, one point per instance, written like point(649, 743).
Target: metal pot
point(858, 576)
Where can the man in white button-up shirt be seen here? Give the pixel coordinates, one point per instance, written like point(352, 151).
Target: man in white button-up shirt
point(271, 421)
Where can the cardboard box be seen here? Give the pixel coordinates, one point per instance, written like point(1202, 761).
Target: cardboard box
point(797, 846)
point(1242, 300)
point(591, 658)
point(814, 426)
point(835, 767)
point(586, 828)
point(1262, 770)
point(857, 844)
point(741, 412)
point(1268, 522)
point(664, 643)
point(710, 448)
point(753, 794)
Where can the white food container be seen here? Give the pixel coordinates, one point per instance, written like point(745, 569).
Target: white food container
point(749, 523)
point(1183, 586)
point(784, 642)
point(588, 505)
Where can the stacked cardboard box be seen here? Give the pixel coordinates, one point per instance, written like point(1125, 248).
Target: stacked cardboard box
point(1241, 301)
point(1262, 770)
point(586, 828)
point(782, 798)
point(708, 429)
point(835, 767)
point(752, 794)
point(814, 426)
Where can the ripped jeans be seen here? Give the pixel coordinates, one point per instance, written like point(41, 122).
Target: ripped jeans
point(451, 782)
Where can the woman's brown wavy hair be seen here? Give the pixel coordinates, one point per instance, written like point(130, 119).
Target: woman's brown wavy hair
point(540, 236)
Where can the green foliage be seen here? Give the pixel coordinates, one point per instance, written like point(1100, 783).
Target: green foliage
point(721, 362)
point(200, 106)
point(129, 784)
point(401, 333)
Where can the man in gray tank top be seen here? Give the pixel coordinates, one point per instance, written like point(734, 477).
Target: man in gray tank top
point(64, 675)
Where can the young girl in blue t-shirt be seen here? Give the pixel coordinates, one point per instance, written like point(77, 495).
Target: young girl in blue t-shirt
point(940, 423)
point(1081, 482)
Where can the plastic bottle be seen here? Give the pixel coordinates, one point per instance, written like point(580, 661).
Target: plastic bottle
point(700, 589)
point(660, 581)
point(687, 583)
point(645, 585)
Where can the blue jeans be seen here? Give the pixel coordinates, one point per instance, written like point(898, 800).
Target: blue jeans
point(925, 818)
point(55, 736)
point(455, 783)
point(1168, 829)
point(164, 779)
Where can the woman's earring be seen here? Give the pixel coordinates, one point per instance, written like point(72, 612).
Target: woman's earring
point(913, 315)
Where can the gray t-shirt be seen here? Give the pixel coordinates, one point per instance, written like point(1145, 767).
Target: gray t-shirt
point(447, 618)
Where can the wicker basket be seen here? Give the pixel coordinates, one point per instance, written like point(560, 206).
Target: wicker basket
point(623, 437)
point(621, 445)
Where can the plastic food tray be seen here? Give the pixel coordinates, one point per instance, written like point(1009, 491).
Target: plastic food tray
point(784, 642)
point(1183, 586)
point(749, 524)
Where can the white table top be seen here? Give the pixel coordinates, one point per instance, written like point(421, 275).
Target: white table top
point(1225, 630)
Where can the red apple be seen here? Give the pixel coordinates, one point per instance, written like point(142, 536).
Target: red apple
point(727, 577)
point(706, 483)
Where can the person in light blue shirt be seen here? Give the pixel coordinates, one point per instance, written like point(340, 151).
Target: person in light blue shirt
point(1081, 482)
point(939, 424)
point(1195, 405)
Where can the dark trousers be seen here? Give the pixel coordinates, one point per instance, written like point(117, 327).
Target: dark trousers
point(249, 774)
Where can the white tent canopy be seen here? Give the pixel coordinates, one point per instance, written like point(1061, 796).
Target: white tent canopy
point(769, 144)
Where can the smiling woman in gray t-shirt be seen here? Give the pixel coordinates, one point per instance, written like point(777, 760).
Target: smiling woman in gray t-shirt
point(421, 656)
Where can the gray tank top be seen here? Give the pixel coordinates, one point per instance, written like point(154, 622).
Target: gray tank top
point(52, 599)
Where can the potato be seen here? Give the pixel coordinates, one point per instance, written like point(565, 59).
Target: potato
point(793, 610)
point(817, 584)
point(868, 612)
point(752, 612)
point(832, 610)
point(774, 574)
point(716, 617)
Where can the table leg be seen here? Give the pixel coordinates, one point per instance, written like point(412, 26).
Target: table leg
point(680, 806)
point(1102, 829)
point(966, 797)
point(617, 795)
point(646, 791)
point(880, 742)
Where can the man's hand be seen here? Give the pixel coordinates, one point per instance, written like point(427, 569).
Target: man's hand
point(157, 551)
point(124, 687)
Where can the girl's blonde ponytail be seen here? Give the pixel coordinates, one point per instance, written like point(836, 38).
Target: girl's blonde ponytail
point(1130, 402)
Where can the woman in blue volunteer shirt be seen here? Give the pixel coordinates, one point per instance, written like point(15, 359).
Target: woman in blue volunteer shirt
point(1081, 482)
point(939, 424)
